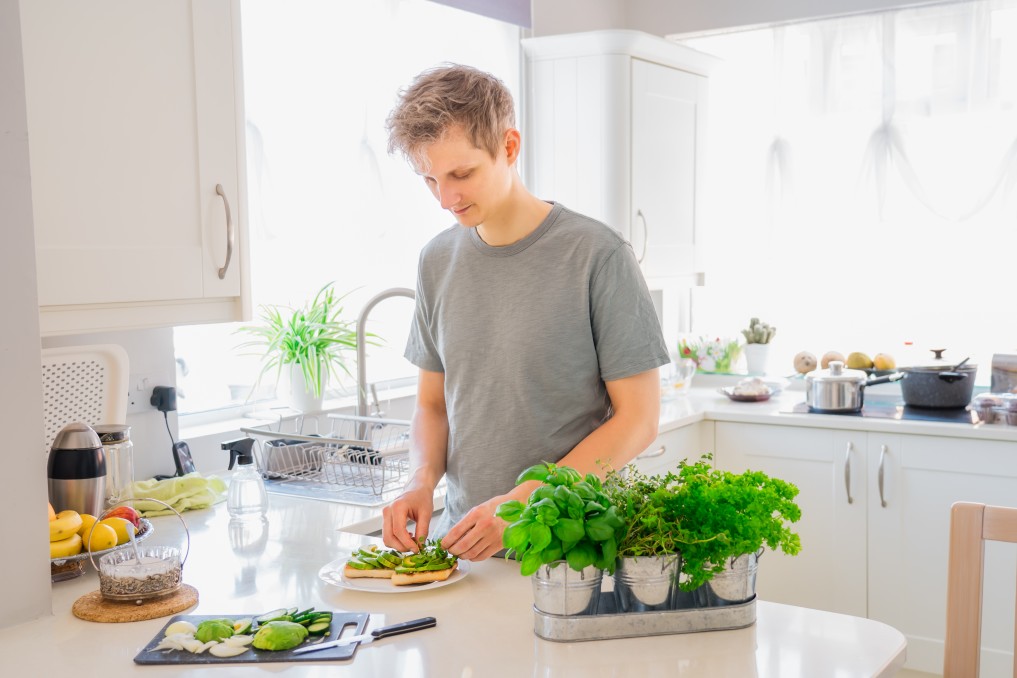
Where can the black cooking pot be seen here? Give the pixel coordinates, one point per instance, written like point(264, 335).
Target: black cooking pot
point(939, 384)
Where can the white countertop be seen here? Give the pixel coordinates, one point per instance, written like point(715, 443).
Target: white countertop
point(707, 403)
point(485, 620)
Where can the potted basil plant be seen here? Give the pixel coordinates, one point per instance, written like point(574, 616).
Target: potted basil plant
point(310, 342)
point(565, 536)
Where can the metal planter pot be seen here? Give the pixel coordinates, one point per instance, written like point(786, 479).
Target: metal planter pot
point(736, 584)
point(646, 584)
point(558, 589)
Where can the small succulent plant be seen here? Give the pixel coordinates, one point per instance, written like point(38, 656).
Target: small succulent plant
point(759, 332)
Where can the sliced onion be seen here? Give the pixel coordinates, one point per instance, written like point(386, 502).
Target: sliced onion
point(182, 626)
point(239, 640)
point(226, 650)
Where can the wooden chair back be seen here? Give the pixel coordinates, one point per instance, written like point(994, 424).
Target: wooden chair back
point(971, 525)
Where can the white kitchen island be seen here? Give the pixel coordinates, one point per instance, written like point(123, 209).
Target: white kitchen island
point(485, 620)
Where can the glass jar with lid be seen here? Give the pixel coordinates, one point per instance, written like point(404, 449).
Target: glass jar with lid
point(119, 450)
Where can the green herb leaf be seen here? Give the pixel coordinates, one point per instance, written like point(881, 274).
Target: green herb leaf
point(510, 511)
point(537, 472)
point(569, 530)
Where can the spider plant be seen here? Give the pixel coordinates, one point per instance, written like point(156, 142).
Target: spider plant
point(314, 336)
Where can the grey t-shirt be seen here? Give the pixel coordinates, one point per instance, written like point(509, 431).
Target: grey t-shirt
point(526, 335)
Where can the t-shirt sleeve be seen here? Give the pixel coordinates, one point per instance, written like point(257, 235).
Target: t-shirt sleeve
point(625, 326)
point(421, 349)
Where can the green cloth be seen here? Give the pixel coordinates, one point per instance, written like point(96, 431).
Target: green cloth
point(191, 491)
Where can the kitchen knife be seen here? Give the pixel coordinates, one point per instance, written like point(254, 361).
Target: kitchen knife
point(383, 632)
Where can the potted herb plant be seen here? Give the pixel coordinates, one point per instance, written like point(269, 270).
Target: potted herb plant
point(758, 336)
point(726, 519)
point(310, 342)
point(646, 573)
point(565, 536)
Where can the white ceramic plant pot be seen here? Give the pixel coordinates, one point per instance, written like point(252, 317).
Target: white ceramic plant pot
point(302, 398)
point(756, 356)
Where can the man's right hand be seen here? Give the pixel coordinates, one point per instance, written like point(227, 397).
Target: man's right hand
point(415, 504)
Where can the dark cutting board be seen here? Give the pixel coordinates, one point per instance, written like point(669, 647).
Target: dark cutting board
point(340, 620)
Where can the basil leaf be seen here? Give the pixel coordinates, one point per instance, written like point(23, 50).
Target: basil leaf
point(531, 563)
point(569, 530)
point(516, 536)
point(510, 511)
point(537, 472)
point(540, 536)
point(581, 557)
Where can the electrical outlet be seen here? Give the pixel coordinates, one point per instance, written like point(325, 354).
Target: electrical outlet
point(139, 391)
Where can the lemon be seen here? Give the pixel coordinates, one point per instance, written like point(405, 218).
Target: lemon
point(101, 538)
point(86, 524)
point(884, 361)
point(859, 361)
point(120, 527)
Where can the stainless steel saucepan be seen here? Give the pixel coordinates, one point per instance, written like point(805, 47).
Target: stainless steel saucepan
point(838, 390)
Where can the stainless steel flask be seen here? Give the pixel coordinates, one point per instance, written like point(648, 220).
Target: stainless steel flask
point(77, 470)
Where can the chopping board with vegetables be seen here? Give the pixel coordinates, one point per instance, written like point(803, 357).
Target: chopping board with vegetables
point(270, 637)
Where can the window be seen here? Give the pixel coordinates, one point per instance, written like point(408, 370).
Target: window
point(874, 160)
point(326, 201)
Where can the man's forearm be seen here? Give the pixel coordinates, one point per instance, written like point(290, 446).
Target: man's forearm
point(428, 447)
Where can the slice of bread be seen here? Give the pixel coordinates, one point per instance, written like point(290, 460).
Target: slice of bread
point(380, 573)
point(400, 579)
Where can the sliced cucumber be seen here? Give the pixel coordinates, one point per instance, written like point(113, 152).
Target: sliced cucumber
point(319, 628)
point(303, 613)
point(326, 616)
point(274, 615)
point(292, 611)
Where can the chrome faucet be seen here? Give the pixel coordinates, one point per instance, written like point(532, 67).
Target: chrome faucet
point(362, 341)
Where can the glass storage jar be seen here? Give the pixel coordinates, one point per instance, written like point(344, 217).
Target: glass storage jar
point(119, 451)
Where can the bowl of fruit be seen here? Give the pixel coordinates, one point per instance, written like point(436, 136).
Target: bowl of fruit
point(75, 537)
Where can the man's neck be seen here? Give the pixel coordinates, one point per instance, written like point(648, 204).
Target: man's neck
point(521, 215)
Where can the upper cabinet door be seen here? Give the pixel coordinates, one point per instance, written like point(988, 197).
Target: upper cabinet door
point(665, 142)
point(136, 154)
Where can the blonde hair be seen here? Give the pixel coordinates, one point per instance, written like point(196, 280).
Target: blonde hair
point(446, 97)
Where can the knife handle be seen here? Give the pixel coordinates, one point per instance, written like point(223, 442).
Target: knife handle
point(404, 627)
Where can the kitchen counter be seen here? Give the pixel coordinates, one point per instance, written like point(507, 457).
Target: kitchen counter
point(485, 620)
point(706, 403)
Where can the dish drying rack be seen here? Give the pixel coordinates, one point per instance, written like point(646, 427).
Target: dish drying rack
point(361, 460)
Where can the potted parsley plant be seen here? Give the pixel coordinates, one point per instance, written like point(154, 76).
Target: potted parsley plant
point(565, 536)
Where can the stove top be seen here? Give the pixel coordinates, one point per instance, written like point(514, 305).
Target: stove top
point(892, 407)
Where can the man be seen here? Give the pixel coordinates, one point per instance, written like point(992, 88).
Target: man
point(534, 331)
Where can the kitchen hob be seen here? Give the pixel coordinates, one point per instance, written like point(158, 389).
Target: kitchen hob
point(892, 407)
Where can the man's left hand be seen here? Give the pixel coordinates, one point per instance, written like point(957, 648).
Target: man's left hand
point(478, 535)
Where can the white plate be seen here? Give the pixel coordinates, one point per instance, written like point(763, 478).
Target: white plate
point(333, 574)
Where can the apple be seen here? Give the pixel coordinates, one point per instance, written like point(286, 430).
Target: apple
point(127, 513)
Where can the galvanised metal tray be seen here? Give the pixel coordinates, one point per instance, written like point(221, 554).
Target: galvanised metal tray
point(608, 623)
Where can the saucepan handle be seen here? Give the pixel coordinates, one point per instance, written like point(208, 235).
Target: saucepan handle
point(885, 379)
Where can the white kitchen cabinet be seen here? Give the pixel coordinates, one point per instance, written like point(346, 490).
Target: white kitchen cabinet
point(829, 467)
point(884, 553)
point(136, 142)
point(909, 525)
point(615, 131)
point(671, 447)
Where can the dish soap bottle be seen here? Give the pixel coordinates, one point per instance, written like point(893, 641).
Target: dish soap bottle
point(246, 497)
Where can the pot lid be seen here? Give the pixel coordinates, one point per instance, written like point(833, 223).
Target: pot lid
point(836, 372)
point(939, 364)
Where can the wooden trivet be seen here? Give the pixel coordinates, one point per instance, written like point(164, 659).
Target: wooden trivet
point(93, 607)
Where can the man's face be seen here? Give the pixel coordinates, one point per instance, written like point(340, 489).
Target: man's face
point(465, 179)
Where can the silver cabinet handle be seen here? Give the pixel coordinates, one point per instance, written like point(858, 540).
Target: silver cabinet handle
point(847, 473)
point(230, 235)
point(659, 452)
point(882, 458)
point(646, 236)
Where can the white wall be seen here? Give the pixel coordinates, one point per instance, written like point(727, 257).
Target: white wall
point(666, 17)
point(24, 567)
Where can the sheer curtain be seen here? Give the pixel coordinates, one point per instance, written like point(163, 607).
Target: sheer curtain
point(861, 183)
